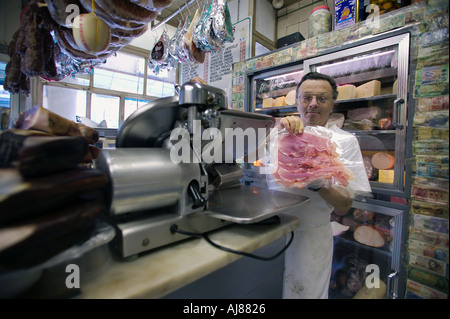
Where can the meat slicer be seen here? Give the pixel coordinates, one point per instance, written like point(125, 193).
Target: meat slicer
point(150, 189)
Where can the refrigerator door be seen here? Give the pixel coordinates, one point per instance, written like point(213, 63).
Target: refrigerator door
point(368, 253)
point(273, 92)
point(372, 81)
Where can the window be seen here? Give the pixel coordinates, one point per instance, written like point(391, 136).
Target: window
point(5, 98)
point(105, 108)
point(112, 92)
point(4, 95)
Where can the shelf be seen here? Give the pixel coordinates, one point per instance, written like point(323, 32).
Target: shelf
point(367, 76)
point(382, 250)
point(367, 99)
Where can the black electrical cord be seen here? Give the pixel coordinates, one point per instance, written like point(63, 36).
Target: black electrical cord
point(174, 229)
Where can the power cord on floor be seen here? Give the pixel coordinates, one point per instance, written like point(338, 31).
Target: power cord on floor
point(174, 229)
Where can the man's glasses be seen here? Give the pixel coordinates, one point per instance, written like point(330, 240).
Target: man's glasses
point(321, 99)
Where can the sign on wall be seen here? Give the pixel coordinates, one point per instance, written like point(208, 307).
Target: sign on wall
point(217, 68)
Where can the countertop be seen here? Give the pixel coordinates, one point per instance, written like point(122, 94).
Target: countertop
point(166, 269)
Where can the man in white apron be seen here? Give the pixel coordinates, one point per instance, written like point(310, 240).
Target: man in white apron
point(308, 260)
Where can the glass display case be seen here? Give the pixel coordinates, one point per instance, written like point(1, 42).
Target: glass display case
point(273, 93)
point(372, 81)
point(373, 102)
point(369, 248)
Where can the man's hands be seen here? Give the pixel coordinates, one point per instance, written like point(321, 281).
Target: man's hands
point(293, 124)
point(318, 184)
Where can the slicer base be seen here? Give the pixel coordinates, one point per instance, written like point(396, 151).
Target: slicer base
point(141, 235)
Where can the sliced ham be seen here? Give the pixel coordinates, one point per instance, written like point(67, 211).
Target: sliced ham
point(302, 158)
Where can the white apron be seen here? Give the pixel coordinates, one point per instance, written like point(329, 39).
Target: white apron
point(307, 263)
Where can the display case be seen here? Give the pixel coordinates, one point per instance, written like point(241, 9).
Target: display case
point(373, 102)
point(372, 81)
point(369, 250)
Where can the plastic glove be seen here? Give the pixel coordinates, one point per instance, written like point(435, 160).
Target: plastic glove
point(318, 184)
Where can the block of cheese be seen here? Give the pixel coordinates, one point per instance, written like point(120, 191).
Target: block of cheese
point(267, 102)
point(386, 176)
point(290, 97)
point(347, 91)
point(279, 101)
point(395, 87)
point(368, 89)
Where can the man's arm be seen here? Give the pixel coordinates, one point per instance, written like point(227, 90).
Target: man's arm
point(338, 197)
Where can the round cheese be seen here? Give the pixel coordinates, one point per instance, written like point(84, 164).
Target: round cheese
point(290, 97)
point(92, 34)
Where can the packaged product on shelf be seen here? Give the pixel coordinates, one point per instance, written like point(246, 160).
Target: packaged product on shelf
point(432, 75)
point(426, 222)
point(435, 266)
point(424, 277)
point(429, 133)
point(427, 208)
point(437, 103)
point(423, 249)
point(430, 90)
point(371, 112)
point(430, 147)
point(438, 119)
point(431, 170)
point(431, 194)
point(415, 290)
point(429, 237)
point(363, 125)
point(432, 55)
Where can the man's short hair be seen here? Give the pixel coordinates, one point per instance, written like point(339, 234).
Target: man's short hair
point(319, 76)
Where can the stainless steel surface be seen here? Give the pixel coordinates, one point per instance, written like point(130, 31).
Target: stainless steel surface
point(255, 128)
point(199, 94)
point(146, 178)
point(138, 236)
point(150, 125)
point(146, 126)
point(225, 175)
point(149, 192)
point(251, 204)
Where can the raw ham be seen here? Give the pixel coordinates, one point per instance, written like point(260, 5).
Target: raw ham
point(302, 158)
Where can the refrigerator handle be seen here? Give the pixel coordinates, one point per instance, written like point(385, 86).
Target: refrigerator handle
point(396, 114)
point(390, 278)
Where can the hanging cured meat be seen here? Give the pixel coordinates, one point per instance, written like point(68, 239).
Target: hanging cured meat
point(45, 45)
point(302, 158)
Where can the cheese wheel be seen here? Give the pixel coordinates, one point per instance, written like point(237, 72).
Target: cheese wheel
point(290, 97)
point(345, 92)
point(91, 34)
point(368, 89)
point(383, 160)
point(370, 236)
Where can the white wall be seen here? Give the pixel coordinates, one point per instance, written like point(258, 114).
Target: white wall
point(265, 19)
point(295, 17)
